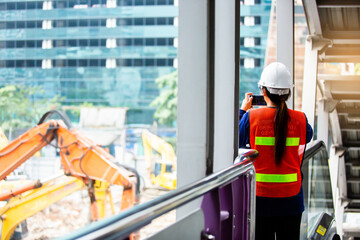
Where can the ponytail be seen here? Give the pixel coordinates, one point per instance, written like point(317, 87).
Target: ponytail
point(280, 124)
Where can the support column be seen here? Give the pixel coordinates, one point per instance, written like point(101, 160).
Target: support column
point(309, 82)
point(224, 84)
point(285, 39)
point(323, 122)
point(192, 95)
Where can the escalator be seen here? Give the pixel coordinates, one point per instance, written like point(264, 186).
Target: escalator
point(318, 218)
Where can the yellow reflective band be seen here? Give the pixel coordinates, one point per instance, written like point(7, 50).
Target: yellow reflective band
point(270, 141)
point(292, 141)
point(265, 141)
point(276, 178)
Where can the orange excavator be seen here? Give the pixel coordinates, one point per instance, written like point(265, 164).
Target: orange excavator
point(84, 162)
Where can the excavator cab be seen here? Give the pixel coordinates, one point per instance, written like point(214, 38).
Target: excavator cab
point(162, 167)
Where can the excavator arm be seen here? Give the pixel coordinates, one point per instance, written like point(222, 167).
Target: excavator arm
point(24, 205)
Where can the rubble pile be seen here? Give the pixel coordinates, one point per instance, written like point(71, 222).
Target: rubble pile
point(61, 218)
point(73, 212)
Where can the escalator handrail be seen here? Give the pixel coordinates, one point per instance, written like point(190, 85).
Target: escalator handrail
point(314, 149)
point(133, 219)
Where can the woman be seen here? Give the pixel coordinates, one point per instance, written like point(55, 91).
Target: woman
point(280, 136)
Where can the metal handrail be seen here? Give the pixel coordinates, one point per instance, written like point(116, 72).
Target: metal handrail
point(313, 149)
point(123, 224)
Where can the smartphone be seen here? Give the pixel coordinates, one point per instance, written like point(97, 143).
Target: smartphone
point(258, 100)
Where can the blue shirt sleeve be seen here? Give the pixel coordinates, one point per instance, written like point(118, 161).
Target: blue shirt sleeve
point(309, 131)
point(244, 129)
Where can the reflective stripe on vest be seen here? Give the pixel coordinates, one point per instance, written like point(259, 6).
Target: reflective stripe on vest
point(276, 178)
point(270, 141)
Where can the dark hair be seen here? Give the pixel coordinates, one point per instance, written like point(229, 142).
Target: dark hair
point(281, 123)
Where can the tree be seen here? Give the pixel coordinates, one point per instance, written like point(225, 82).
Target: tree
point(166, 102)
point(19, 109)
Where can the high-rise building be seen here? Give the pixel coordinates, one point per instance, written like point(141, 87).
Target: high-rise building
point(254, 22)
point(105, 52)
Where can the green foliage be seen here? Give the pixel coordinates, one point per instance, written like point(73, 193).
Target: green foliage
point(19, 109)
point(166, 102)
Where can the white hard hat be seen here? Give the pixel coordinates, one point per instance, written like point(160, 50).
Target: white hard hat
point(276, 78)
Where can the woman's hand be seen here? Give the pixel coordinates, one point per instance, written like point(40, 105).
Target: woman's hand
point(247, 102)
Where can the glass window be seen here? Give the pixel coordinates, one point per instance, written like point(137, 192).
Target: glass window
point(138, 42)
point(30, 44)
point(20, 44)
point(138, 2)
point(38, 63)
point(38, 24)
point(124, 3)
point(171, 2)
point(83, 63)
point(10, 25)
point(83, 43)
point(2, 44)
point(161, 62)
point(11, 6)
point(138, 62)
point(94, 22)
point(257, 20)
point(21, 5)
point(10, 64)
point(139, 21)
point(72, 23)
point(59, 43)
point(94, 62)
point(121, 42)
point(124, 22)
point(120, 62)
point(2, 63)
point(103, 22)
point(150, 62)
point(20, 24)
point(171, 41)
point(161, 21)
point(149, 2)
point(20, 63)
point(170, 21)
point(161, 2)
point(60, 4)
point(30, 5)
point(72, 63)
point(94, 42)
point(2, 6)
point(170, 62)
point(71, 3)
point(83, 23)
point(10, 44)
point(257, 41)
point(71, 43)
point(2, 25)
point(30, 63)
point(30, 24)
point(103, 42)
point(161, 41)
point(150, 21)
point(60, 23)
point(150, 41)
point(102, 62)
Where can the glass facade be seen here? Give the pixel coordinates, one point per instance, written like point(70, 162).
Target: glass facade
point(104, 52)
point(254, 22)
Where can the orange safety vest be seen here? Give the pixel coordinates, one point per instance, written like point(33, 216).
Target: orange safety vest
point(283, 180)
